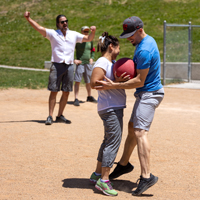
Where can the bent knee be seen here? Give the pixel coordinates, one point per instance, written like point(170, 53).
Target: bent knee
point(140, 132)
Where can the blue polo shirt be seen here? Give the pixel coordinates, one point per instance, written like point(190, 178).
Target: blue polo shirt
point(147, 56)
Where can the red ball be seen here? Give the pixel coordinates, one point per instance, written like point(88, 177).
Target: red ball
point(125, 65)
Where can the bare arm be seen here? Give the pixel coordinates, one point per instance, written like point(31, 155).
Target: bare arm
point(34, 24)
point(97, 74)
point(136, 82)
point(89, 38)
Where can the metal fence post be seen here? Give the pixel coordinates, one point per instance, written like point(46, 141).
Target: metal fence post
point(189, 51)
point(164, 52)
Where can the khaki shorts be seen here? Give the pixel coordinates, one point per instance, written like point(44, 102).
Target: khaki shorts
point(61, 77)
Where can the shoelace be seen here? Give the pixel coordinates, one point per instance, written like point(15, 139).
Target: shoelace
point(109, 185)
point(141, 182)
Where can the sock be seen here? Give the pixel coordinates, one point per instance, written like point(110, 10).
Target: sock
point(104, 181)
point(97, 174)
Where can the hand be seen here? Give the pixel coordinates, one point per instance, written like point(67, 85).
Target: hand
point(27, 15)
point(105, 85)
point(77, 62)
point(93, 28)
point(122, 78)
point(91, 61)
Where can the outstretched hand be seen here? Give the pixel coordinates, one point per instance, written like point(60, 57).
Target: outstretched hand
point(105, 85)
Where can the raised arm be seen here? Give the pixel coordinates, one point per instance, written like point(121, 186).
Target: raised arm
point(34, 24)
point(88, 38)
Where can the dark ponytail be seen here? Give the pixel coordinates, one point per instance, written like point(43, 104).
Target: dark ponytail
point(104, 42)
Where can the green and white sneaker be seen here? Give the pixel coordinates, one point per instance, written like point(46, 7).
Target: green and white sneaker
point(106, 188)
point(94, 178)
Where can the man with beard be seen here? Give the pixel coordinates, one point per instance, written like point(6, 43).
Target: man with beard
point(63, 43)
point(149, 94)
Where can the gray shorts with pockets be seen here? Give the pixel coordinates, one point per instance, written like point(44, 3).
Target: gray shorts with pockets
point(61, 77)
point(144, 108)
point(83, 70)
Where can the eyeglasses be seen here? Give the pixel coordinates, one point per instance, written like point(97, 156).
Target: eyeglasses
point(62, 22)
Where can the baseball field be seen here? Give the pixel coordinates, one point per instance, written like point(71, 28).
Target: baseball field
point(55, 162)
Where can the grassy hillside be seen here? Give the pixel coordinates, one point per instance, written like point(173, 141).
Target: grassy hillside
point(21, 45)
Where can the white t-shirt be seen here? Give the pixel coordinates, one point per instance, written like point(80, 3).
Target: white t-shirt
point(109, 99)
point(63, 47)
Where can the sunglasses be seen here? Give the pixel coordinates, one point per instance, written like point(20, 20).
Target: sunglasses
point(62, 22)
point(135, 32)
point(86, 31)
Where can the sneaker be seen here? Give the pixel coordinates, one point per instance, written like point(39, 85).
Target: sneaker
point(63, 119)
point(144, 184)
point(49, 120)
point(91, 99)
point(120, 169)
point(76, 102)
point(106, 188)
point(94, 178)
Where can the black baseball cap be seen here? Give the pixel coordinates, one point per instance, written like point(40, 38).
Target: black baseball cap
point(130, 26)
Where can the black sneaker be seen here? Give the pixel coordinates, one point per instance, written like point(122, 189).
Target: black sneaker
point(91, 99)
point(63, 120)
point(120, 169)
point(76, 102)
point(144, 184)
point(49, 120)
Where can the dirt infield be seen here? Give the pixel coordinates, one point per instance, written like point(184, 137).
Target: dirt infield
point(54, 162)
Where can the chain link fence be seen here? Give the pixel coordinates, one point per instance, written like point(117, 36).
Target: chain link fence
point(181, 46)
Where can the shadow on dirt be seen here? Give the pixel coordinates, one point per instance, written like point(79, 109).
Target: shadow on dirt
point(72, 102)
point(37, 121)
point(120, 185)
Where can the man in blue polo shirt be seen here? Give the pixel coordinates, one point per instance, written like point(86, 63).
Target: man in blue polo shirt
point(149, 93)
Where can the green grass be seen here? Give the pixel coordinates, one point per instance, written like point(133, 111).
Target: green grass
point(16, 78)
point(21, 45)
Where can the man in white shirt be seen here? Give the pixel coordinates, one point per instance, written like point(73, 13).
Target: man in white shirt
point(63, 43)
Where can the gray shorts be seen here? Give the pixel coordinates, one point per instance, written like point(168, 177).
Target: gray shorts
point(83, 70)
point(144, 108)
point(113, 125)
point(61, 73)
